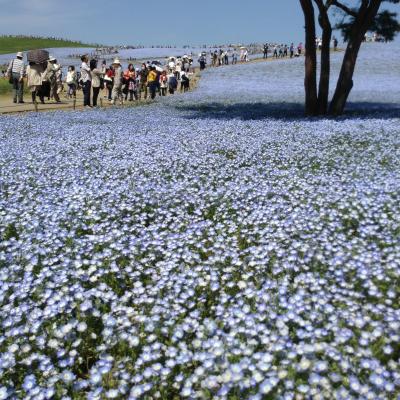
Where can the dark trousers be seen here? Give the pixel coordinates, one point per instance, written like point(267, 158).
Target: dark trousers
point(38, 92)
point(152, 89)
point(132, 93)
point(18, 88)
point(96, 91)
point(143, 88)
point(86, 93)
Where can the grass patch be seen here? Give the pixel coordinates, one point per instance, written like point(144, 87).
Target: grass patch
point(12, 44)
point(6, 88)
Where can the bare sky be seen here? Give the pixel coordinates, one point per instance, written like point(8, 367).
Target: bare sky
point(156, 22)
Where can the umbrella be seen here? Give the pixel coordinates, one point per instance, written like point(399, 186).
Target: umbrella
point(38, 56)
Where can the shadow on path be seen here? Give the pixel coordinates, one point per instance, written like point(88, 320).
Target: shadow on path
point(285, 111)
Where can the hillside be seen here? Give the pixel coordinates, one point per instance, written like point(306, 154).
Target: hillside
point(12, 44)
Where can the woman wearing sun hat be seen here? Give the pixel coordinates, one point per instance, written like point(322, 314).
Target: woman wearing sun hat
point(49, 82)
point(118, 82)
point(34, 74)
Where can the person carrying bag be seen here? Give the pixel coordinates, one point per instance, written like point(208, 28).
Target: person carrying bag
point(15, 73)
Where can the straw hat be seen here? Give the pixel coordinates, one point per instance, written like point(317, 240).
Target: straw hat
point(20, 54)
point(117, 62)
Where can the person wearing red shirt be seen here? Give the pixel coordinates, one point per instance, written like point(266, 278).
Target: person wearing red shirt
point(109, 80)
point(130, 83)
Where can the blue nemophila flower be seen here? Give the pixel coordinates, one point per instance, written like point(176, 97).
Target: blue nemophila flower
point(29, 383)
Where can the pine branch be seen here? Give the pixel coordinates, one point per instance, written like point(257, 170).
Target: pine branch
point(343, 7)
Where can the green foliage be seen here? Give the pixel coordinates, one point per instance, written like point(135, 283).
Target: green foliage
point(385, 24)
point(12, 44)
point(6, 88)
point(11, 232)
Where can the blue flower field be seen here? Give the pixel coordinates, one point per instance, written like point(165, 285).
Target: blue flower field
point(214, 245)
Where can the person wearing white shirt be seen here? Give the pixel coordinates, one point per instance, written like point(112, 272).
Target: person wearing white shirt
point(85, 81)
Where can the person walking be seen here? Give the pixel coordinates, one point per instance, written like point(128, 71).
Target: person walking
point(143, 80)
point(97, 76)
point(202, 62)
point(291, 50)
point(15, 72)
point(234, 57)
point(152, 82)
point(34, 74)
point(50, 79)
point(130, 83)
point(118, 82)
point(59, 82)
point(215, 59)
point(178, 68)
point(285, 51)
point(172, 83)
point(71, 82)
point(226, 57)
point(265, 54)
point(299, 49)
point(85, 81)
point(163, 83)
point(109, 81)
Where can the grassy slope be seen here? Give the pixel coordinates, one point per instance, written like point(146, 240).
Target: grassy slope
point(12, 44)
point(6, 88)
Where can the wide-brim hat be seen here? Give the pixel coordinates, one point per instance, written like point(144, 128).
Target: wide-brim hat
point(20, 54)
point(117, 62)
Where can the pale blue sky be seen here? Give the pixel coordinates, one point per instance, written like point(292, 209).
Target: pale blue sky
point(156, 22)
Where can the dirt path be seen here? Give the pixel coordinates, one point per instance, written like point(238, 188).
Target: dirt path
point(8, 107)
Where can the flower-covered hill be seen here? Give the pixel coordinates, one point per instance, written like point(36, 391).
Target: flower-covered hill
point(173, 252)
point(276, 89)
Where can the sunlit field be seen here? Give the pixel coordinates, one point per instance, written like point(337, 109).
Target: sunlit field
point(214, 245)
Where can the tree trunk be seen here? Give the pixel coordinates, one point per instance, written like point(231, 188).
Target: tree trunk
point(310, 80)
point(345, 81)
point(323, 87)
point(344, 85)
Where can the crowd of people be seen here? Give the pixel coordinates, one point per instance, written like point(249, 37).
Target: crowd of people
point(46, 80)
point(122, 85)
point(282, 50)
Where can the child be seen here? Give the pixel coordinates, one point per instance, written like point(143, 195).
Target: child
point(71, 81)
point(163, 83)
